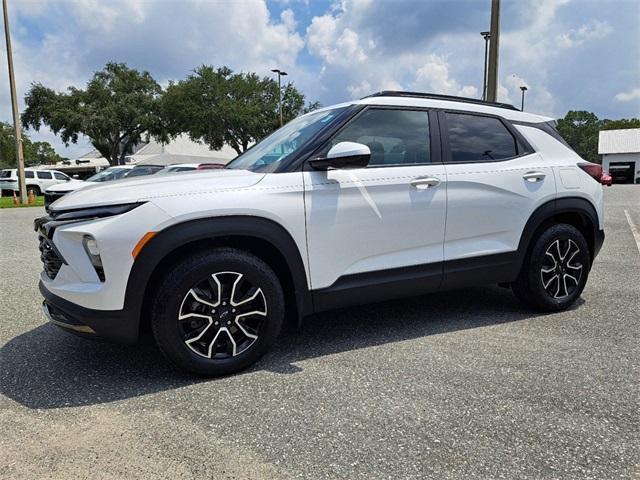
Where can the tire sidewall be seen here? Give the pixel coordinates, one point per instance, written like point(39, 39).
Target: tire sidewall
point(194, 270)
point(537, 257)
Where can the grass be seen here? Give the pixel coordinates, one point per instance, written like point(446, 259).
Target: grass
point(7, 202)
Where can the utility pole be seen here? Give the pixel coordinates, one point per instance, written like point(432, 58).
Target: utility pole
point(14, 106)
point(280, 74)
point(487, 36)
point(524, 89)
point(494, 46)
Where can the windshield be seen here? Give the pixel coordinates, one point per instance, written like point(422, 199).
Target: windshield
point(112, 173)
point(266, 155)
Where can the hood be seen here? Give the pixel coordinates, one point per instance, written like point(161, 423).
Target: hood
point(69, 186)
point(136, 189)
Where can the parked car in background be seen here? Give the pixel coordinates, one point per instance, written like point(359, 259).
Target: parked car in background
point(53, 193)
point(37, 180)
point(143, 170)
point(186, 167)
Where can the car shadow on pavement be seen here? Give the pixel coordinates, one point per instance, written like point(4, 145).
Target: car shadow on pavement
point(48, 368)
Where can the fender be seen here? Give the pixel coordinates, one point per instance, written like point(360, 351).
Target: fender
point(178, 235)
point(560, 206)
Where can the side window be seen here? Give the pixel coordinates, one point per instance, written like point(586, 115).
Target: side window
point(395, 137)
point(474, 138)
point(28, 174)
point(44, 175)
point(60, 176)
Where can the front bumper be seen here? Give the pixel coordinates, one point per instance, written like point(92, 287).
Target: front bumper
point(113, 325)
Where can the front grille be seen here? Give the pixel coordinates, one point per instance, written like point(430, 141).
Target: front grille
point(50, 259)
point(49, 198)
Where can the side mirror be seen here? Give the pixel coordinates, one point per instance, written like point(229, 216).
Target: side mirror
point(343, 155)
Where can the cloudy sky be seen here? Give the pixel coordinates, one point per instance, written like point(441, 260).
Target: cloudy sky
point(572, 54)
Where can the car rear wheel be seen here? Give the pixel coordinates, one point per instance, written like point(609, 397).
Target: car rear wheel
point(555, 271)
point(217, 312)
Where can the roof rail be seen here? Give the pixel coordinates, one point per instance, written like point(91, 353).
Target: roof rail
point(436, 96)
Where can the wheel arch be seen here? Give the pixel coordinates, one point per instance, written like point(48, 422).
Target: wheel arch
point(264, 238)
point(574, 211)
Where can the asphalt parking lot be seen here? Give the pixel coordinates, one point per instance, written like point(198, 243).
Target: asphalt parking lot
point(464, 384)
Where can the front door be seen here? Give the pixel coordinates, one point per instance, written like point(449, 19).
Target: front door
point(381, 228)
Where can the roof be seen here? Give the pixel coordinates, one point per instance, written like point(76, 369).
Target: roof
point(443, 102)
point(619, 141)
point(437, 96)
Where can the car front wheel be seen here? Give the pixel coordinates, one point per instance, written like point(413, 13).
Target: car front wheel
point(217, 312)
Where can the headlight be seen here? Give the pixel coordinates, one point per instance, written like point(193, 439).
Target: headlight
point(93, 252)
point(93, 212)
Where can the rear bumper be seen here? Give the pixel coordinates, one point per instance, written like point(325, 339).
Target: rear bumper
point(598, 240)
point(113, 325)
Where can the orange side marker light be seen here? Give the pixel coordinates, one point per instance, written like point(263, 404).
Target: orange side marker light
point(141, 243)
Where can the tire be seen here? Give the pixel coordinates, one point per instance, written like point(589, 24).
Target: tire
point(555, 270)
point(202, 320)
point(33, 188)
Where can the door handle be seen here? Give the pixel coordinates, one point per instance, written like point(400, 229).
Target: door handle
point(534, 176)
point(422, 183)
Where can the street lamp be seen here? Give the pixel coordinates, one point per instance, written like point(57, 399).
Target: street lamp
point(524, 89)
point(280, 74)
point(487, 36)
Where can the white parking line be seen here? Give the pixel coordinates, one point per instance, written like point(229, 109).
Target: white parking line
point(634, 229)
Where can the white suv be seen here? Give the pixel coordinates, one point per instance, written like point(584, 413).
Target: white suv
point(393, 195)
point(36, 180)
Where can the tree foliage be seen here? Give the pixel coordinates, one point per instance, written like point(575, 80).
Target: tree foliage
point(218, 106)
point(118, 106)
point(580, 130)
point(35, 153)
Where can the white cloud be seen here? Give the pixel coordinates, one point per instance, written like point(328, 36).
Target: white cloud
point(434, 76)
point(591, 31)
point(633, 94)
point(168, 39)
point(335, 45)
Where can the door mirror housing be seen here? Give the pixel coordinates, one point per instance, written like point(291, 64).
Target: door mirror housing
point(343, 155)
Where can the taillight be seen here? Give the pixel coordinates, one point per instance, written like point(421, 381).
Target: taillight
point(595, 171)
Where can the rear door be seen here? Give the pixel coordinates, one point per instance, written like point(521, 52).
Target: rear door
point(494, 183)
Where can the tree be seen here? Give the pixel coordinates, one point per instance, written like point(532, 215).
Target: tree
point(620, 124)
point(35, 153)
point(118, 107)
point(218, 107)
point(580, 130)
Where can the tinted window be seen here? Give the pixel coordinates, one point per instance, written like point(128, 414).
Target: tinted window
point(395, 137)
point(45, 175)
point(60, 176)
point(28, 174)
point(473, 138)
point(5, 174)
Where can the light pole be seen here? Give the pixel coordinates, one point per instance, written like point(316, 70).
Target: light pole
point(14, 107)
point(487, 36)
point(494, 48)
point(280, 74)
point(524, 89)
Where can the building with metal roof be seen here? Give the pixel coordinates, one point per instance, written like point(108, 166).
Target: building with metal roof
point(620, 150)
